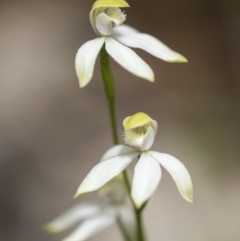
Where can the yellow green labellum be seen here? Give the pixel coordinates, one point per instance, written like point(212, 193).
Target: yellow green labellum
point(137, 120)
point(100, 5)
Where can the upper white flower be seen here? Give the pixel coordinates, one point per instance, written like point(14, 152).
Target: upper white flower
point(106, 19)
point(140, 131)
point(98, 215)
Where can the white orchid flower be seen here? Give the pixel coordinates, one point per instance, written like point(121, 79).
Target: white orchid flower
point(106, 19)
point(140, 131)
point(98, 215)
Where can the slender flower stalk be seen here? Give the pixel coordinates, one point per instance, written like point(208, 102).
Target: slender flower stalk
point(141, 235)
point(108, 81)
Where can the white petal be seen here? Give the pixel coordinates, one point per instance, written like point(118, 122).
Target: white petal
point(148, 139)
point(91, 227)
point(105, 171)
point(178, 172)
point(72, 216)
point(85, 60)
point(147, 174)
point(116, 151)
point(124, 29)
point(129, 59)
point(151, 45)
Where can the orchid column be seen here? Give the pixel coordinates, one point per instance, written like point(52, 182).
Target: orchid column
point(114, 39)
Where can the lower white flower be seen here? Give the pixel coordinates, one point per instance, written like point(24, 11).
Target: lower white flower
point(98, 215)
point(107, 19)
point(140, 131)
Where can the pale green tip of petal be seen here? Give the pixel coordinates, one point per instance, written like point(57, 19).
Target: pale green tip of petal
point(138, 205)
point(83, 80)
point(81, 85)
point(51, 229)
point(152, 79)
point(180, 59)
point(189, 196)
point(190, 199)
point(78, 194)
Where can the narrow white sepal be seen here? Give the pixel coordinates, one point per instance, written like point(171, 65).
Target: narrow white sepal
point(147, 175)
point(85, 60)
point(151, 45)
point(89, 228)
point(72, 216)
point(104, 172)
point(129, 60)
point(124, 29)
point(178, 172)
point(116, 151)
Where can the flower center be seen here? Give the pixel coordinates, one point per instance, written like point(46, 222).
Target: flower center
point(135, 137)
point(116, 15)
point(107, 20)
point(140, 131)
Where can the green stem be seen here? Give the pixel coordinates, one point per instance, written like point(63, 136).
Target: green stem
point(108, 81)
point(140, 233)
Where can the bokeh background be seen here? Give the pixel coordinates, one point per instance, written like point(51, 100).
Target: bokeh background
point(52, 133)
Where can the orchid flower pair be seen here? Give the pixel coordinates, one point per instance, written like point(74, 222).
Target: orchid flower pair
point(106, 19)
point(98, 215)
point(140, 132)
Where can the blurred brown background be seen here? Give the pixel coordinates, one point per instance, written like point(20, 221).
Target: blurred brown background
point(52, 133)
